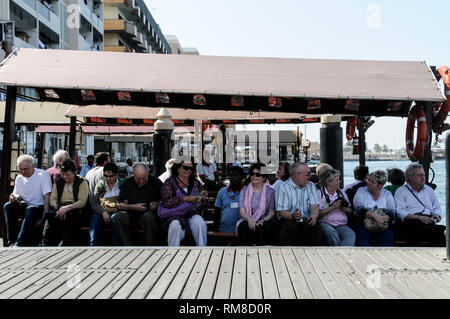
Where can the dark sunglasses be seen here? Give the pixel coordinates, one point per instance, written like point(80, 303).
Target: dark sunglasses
point(255, 174)
point(108, 175)
point(188, 168)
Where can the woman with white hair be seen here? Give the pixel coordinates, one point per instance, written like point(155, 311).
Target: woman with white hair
point(59, 157)
point(375, 211)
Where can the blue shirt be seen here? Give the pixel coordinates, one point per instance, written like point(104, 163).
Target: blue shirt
point(290, 197)
point(86, 168)
point(230, 215)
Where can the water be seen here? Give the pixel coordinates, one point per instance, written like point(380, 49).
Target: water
point(438, 167)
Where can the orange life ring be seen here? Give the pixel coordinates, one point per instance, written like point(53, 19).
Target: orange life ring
point(350, 128)
point(415, 152)
point(441, 116)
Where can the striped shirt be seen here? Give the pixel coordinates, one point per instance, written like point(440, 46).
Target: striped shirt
point(289, 197)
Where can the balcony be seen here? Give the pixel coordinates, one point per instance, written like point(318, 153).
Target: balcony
point(51, 20)
point(116, 25)
point(83, 44)
point(18, 42)
point(116, 48)
point(85, 10)
point(97, 23)
point(120, 3)
point(28, 5)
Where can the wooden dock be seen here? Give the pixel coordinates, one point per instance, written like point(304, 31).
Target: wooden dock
point(229, 272)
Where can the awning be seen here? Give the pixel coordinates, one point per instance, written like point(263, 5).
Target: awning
point(223, 83)
point(104, 129)
point(34, 113)
point(134, 115)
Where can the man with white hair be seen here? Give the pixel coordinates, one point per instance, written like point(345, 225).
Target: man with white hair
point(59, 157)
point(418, 207)
point(29, 200)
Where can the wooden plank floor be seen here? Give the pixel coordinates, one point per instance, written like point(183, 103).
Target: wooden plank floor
point(229, 272)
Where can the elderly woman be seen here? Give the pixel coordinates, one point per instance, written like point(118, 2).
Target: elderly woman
point(375, 211)
point(256, 208)
point(183, 199)
point(104, 203)
point(334, 209)
point(282, 174)
point(68, 198)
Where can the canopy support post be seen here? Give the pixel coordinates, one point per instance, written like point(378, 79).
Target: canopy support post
point(8, 136)
point(331, 144)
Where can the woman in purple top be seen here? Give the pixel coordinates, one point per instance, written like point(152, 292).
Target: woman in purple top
point(183, 199)
point(334, 210)
point(256, 208)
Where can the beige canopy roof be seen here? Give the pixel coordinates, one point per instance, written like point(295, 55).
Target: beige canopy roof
point(178, 114)
point(315, 78)
point(38, 113)
point(224, 83)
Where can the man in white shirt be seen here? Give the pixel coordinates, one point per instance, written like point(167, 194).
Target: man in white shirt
point(419, 209)
point(207, 171)
point(29, 200)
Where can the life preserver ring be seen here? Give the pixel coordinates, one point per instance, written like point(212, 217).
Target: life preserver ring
point(351, 126)
point(415, 152)
point(442, 112)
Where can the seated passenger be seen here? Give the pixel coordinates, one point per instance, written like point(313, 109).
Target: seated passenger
point(183, 199)
point(361, 173)
point(29, 201)
point(226, 208)
point(297, 206)
point(104, 204)
point(375, 212)
point(138, 203)
point(58, 158)
point(333, 210)
point(256, 209)
point(282, 175)
point(397, 178)
point(67, 200)
point(207, 171)
point(419, 209)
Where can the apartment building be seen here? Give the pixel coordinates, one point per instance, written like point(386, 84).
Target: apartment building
point(56, 24)
point(130, 27)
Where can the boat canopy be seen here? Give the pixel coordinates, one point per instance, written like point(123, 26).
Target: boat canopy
point(135, 115)
point(314, 86)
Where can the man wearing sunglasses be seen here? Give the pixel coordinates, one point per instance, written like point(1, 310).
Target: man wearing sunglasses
point(297, 205)
point(138, 202)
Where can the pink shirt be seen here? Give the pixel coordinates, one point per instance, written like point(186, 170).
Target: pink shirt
point(336, 217)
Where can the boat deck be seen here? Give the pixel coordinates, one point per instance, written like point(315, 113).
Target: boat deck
point(224, 272)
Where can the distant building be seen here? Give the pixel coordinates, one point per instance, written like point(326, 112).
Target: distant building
point(177, 48)
point(130, 27)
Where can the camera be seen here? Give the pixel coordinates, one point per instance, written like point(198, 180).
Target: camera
point(343, 204)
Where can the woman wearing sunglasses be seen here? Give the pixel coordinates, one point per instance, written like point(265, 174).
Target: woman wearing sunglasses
point(183, 199)
point(256, 208)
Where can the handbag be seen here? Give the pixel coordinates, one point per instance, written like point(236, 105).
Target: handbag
point(110, 204)
point(372, 225)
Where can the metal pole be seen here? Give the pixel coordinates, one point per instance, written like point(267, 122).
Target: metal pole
point(362, 141)
point(8, 134)
point(447, 192)
point(72, 135)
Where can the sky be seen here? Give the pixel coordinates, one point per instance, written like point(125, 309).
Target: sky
point(399, 30)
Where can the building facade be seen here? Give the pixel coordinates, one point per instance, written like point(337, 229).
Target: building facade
point(130, 27)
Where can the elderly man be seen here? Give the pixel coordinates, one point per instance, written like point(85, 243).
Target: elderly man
point(138, 202)
point(29, 200)
point(298, 208)
point(59, 157)
point(419, 208)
